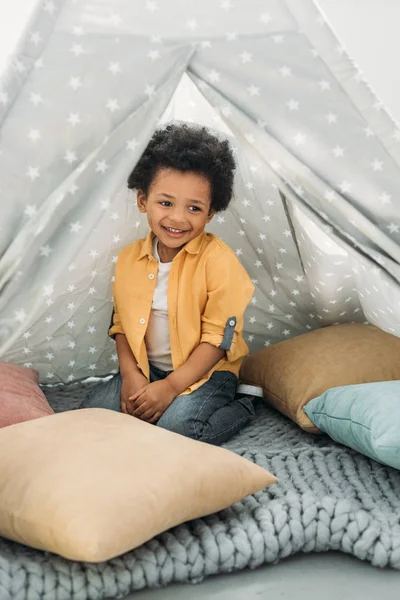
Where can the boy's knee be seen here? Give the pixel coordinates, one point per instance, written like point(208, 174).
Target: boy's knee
point(186, 427)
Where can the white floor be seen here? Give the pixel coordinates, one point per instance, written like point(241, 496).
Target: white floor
point(330, 576)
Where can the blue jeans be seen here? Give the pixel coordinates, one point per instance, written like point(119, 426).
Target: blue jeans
point(213, 413)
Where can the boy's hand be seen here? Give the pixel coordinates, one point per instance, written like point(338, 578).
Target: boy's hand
point(131, 383)
point(151, 401)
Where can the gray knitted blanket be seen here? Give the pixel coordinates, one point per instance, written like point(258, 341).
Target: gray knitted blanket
point(328, 498)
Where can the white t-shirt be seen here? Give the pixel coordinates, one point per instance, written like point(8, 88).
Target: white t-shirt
point(157, 337)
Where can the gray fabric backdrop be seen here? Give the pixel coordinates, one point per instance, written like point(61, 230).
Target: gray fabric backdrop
point(315, 218)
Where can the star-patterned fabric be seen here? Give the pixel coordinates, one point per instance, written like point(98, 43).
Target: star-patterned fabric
point(315, 218)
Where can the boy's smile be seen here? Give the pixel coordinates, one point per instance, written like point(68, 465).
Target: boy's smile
point(178, 208)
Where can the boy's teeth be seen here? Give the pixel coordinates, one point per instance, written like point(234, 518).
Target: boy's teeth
point(175, 230)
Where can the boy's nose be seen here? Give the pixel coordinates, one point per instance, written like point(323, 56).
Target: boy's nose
point(179, 216)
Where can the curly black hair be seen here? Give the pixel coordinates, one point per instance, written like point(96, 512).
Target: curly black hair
point(188, 148)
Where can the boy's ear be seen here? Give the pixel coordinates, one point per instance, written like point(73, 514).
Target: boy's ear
point(210, 216)
point(141, 200)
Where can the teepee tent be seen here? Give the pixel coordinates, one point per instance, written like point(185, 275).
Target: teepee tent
point(315, 216)
point(315, 221)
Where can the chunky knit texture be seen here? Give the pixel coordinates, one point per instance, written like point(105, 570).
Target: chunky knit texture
point(328, 498)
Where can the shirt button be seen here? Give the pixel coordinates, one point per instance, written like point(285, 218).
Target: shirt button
point(231, 322)
point(151, 276)
point(142, 321)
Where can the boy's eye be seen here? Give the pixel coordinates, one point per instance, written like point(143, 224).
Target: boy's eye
point(194, 208)
point(165, 203)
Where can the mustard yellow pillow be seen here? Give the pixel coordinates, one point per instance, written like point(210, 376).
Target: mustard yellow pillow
point(295, 371)
point(92, 484)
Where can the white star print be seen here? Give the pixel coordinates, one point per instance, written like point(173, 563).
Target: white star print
point(213, 76)
point(76, 49)
point(285, 71)
point(292, 104)
point(396, 135)
point(246, 57)
point(338, 151)
point(45, 251)
point(385, 198)
point(393, 228)
point(49, 6)
point(115, 19)
point(151, 6)
point(48, 289)
point(231, 37)
point(30, 210)
point(192, 25)
point(34, 135)
point(75, 83)
point(74, 119)
point(265, 18)
point(114, 68)
point(131, 144)
point(33, 173)
point(35, 38)
point(75, 227)
point(253, 90)
point(77, 30)
point(112, 105)
point(331, 118)
point(4, 98)
point(101, 166)
point(150, 90)
point(329, 195)
point(377, 165)
point(35, 98)
point(153, 54)
point(345, 186)
point(299, 139)
point(70, 157)
point(20, 316)
point(324, 85)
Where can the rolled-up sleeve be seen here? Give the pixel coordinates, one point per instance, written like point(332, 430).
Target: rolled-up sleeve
point(229, 291)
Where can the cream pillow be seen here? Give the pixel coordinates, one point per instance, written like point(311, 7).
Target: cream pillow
point(92, 484)
point(295, 371)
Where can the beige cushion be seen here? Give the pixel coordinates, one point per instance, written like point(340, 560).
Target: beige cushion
point(92, 484)
point(295, 371)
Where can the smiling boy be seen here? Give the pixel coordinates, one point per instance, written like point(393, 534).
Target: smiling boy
point(180, 295)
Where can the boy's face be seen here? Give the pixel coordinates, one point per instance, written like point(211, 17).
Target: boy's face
point(177, 206)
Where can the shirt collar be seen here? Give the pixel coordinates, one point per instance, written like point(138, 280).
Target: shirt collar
point(193, 247)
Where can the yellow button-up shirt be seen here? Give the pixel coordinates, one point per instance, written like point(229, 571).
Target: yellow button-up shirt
point(208, 292)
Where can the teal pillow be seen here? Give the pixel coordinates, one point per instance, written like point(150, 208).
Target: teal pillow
point(365, 417)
